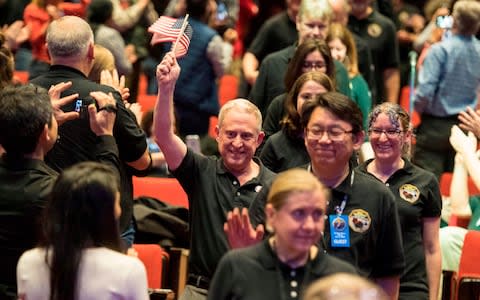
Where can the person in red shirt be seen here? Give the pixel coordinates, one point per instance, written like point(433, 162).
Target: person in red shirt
point(37, 16)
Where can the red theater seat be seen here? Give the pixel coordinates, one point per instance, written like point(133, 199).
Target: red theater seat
point(165, 189)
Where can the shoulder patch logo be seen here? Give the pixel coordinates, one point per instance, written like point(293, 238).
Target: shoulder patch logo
point(374, 30)
point(359, 220)
point(409, 193)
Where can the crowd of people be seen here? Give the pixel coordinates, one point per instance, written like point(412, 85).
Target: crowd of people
point(289, 207)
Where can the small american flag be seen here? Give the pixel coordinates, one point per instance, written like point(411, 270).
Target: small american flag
point(167, 29)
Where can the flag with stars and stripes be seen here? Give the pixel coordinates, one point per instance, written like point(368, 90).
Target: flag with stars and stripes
point(167, 29)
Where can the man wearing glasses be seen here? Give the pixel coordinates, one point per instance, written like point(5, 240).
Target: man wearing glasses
point(363, 226)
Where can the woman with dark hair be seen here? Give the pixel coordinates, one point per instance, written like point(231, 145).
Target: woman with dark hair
point(311, 55)
point(286, 148)
point(417, 196)
point(79, 256)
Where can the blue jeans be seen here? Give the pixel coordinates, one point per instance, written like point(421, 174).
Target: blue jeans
point(128, 236)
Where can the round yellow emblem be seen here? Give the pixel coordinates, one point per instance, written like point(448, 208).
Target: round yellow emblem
point(409, 193)
point(359, 220)
point(374, 30)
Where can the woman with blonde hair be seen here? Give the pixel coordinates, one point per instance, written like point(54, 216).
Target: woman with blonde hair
point(343, 49)
point(281, 266)
point(344, 286)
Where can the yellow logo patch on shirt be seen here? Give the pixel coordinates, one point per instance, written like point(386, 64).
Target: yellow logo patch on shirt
point(374, 30)
point(409, 193)
point(359, 220)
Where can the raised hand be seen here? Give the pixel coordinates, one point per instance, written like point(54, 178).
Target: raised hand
point(103, 119)
point(54, 92)
point(117, 82)
point(462, 143)
point(239, 230)
point(470, 121)
point(168, 71)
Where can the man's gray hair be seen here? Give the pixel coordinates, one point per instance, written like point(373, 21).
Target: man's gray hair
point(467, 16)
point(69, 37)
point(241, 105)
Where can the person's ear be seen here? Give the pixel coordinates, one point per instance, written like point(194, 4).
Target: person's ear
point(270, 213)
point(260, 138)
point(91, 51)
point(357, 139)
point(45, 133)
point(44, 137)
point(217, 133)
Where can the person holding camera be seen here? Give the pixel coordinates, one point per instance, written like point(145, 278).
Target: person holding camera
point(29, 122)
point(72, 55)
point(446, 86)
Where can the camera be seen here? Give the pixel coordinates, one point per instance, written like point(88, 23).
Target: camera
point(444, 22)
point(222, 12)
point(81, 106)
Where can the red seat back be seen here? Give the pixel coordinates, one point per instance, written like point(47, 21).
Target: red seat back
point(153, 257)
point(165, 189)
point(470, 258)
point(468, 279)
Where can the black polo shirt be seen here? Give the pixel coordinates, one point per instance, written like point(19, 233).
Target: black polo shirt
point(255, 273)
point(379, 33)
point(376, 248)
point(78, 143)
point(213, 192)
point(282, 152)
point(418, 196)
point(275, 34)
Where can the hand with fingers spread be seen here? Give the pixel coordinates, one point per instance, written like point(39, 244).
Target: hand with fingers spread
point(117, 82)
point(103, 119)
point(470, 121)
point(239, 230)
point(54, 92)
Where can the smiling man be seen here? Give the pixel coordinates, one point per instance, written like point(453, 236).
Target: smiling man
point(362, 227)
point(371, 240)
point(214, 186)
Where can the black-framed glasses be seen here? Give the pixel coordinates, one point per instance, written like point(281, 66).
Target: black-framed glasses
point(334, 134)
point(308, 65)
point(390, 133)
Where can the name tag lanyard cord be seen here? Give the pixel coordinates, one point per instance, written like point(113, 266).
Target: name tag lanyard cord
point(339, 209)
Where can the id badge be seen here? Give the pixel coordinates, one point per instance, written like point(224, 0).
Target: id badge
point(339, 231)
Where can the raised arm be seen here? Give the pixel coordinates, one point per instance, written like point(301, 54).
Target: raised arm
point(465, 147)
point(250, 67)
point(171, 145)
